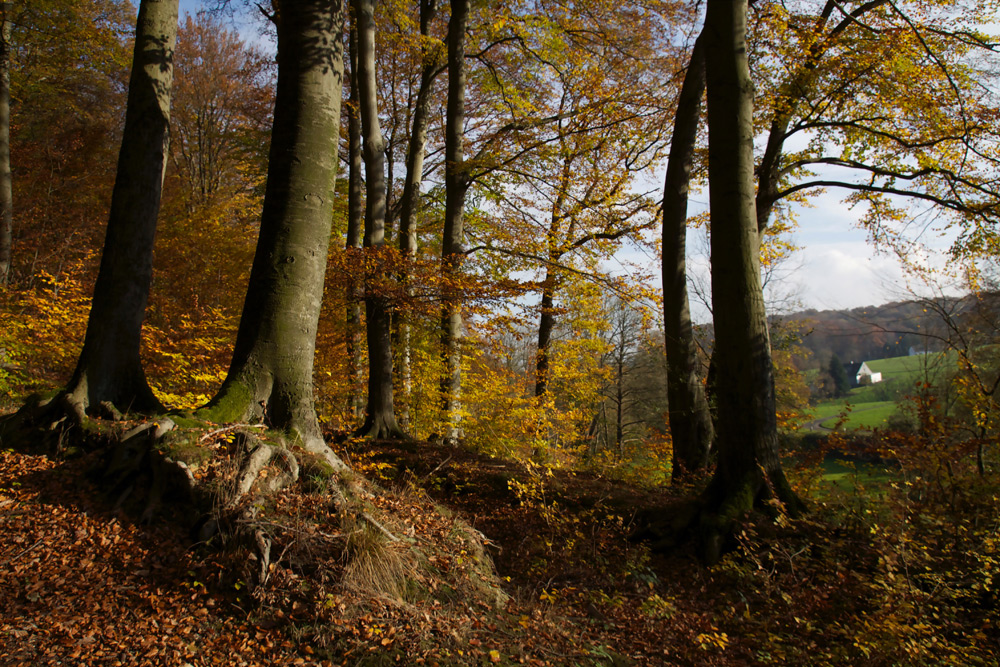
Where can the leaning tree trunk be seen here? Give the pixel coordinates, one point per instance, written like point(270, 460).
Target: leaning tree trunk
point(271, 374)
point(109, 369)
point(380, 417)
point(691, 428)
point(749, 469)
point(6, 190)
point(355, 229)
point(452, 242)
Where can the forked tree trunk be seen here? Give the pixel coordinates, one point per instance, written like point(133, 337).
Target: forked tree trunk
point(380, 415)
point(355, 229)
point(749, 469)
point(109, 368)
point(271, 375)
point(691, 428)
point(6, 190)
point(452, 242)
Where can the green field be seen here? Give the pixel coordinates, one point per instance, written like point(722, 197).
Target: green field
point(873, 405)
point(848, 475)
point(864, 415)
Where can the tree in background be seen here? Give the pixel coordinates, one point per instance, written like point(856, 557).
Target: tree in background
point(838, 373)
point(380, 413)
point(6, 188)
point(69, 69)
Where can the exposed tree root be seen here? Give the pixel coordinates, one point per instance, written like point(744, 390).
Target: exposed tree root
point(724, 506)
point(233, 479)
point(375, 428)
point(711, 521)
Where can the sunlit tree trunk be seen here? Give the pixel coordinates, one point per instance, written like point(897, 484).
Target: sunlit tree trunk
point(410, 200)
point(6, 190)
point(546, 325)
point(550, 283)
point(380, 416)
point(452, 244)
point(271, 374)
point(691, 428)
point(109, 369)
point(749, 469)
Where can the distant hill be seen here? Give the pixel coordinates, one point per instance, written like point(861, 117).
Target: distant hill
point(872, 332)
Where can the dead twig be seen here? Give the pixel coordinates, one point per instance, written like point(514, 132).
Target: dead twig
point(31, 548)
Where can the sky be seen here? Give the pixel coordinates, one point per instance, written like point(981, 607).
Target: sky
point(836, 267)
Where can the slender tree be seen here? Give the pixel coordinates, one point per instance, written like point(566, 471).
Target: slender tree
point(6, 190)
point(410, 199)
point(691, 427)
point(109, 370)
point(355, 227)
point(271, 374)
point(380, 415)
point(453, 241)
point(749, 469)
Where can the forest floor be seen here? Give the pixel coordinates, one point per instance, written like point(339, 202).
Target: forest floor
point(83, 584)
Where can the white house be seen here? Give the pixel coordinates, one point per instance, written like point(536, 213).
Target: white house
point(861, 374)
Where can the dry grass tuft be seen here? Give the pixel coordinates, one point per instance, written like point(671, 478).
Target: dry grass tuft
point(375, 564)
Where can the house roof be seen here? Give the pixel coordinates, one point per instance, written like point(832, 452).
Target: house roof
point(853, 368)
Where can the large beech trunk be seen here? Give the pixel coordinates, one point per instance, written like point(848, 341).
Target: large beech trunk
point(749, 469)
point(452, 242)
point(691, 428)
point(271, 375)
point(109, 369)
point(380, 416)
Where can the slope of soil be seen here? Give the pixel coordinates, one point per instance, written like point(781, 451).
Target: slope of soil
point(83, 584)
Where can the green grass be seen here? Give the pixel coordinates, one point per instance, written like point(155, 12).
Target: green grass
point(911, 369)
point(865, 415)
point(848, 475)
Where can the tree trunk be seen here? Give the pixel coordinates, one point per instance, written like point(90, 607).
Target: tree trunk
point(355, 227)
point(691, 428)
point(6, 190)
point(452, 244)
point(109, 368)
point(410, 200)
point(547, 314)
point(749, 469)
point(271, 374)
point(546, 325)
point(380, 416)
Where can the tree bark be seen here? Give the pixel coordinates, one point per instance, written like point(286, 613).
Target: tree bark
point(691, 427)
point(452, 243)
point(546, 325)
point(749, 469)
point(271, 374)
point(109, 368)
point(380, 415)
point(6, 189)
point(355, 229)
point(410, 200)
